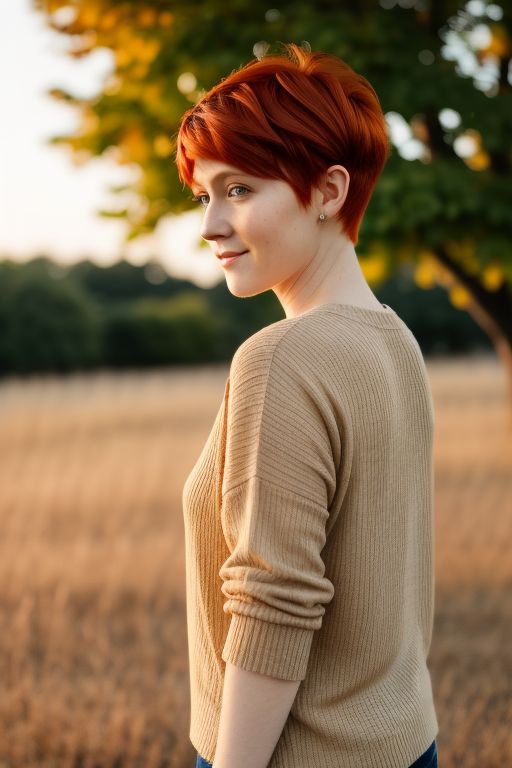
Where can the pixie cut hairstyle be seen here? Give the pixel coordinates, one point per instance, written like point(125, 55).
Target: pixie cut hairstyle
point(289, 117)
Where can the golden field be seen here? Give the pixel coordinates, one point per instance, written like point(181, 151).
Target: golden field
point(93, 648)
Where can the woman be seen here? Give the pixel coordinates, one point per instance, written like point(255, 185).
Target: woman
point(308, 515)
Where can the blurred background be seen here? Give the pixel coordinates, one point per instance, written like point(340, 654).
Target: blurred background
point(117, 329)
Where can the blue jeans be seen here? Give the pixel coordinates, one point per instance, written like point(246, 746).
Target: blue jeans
point(427, 760)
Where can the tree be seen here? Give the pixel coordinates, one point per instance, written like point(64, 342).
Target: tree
point(445, 209)
point(46, 324)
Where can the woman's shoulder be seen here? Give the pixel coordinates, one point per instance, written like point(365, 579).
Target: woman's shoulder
point(253, 359)
point(287, 338)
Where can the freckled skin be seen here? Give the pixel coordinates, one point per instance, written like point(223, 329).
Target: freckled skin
point(304, 261)
point(266, 219)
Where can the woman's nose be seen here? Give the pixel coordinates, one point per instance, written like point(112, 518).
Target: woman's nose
point(215, 223)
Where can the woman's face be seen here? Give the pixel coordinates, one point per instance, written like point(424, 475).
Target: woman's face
point(262, 220)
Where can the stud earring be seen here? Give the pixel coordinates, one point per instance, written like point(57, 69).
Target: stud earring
point(322, 216)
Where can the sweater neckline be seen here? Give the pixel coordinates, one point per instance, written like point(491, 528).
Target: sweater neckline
point(383, 318)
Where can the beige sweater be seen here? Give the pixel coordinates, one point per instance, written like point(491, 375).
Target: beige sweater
point(309, 539)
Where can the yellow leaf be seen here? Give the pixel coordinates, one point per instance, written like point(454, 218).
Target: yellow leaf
point(149, 51)
point(139, 71)
point(479, 161)
point(109, 20)
point(459, 296)
point(152, 93)
point(134, 144)
point(500, 43)
point(162, 146)
point(374, 268)
point(53, 5)
point(123, 57)
point(88, 16)
point(136, 45)
point(492, 277)
point(424, 274)
point(147, 17)
point(165, 19)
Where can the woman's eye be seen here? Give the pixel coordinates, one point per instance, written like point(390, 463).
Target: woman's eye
point(237, 190)
point(238, 187)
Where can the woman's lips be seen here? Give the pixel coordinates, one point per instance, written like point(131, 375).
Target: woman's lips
point(229, 257)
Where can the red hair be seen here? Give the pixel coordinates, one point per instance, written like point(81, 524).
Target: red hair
point(290, 117)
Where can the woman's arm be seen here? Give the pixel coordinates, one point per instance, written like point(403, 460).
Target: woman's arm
point(253, 713)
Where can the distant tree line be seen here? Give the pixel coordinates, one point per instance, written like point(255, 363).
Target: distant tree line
point(60, 319)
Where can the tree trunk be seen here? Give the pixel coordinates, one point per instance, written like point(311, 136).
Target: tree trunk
point(491, 310)
point(500, 341)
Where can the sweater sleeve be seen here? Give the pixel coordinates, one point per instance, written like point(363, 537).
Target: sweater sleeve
point(279, 479)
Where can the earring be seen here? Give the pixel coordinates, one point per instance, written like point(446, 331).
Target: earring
point(322, 216)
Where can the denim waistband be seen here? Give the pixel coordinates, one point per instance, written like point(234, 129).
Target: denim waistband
point(427, 760)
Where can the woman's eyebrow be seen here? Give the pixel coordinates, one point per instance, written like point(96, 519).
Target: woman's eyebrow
point(219, 177)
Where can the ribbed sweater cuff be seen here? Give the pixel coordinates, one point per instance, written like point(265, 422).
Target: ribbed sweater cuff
point(275, 650)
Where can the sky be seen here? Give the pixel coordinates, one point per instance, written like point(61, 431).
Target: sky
point(47, 205)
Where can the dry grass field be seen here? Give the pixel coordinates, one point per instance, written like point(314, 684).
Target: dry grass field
point(93, 654)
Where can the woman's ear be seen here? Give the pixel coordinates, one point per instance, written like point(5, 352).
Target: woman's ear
point(332, 190)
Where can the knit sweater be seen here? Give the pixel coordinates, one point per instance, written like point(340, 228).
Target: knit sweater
point(309, 539)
